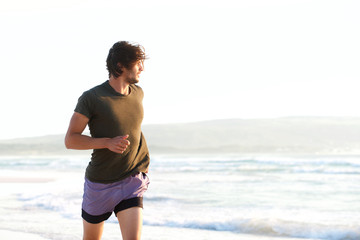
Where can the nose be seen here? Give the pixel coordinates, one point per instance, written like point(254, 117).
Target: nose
point(141, 67)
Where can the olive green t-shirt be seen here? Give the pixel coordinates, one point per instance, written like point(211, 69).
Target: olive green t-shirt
point(112, 114)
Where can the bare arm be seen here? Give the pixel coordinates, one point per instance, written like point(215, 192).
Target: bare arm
point(74, 138)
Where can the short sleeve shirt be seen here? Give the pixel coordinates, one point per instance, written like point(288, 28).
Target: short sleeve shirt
point(112, 114)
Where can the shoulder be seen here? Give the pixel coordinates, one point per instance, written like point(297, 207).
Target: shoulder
point(100, 88)
point(136, 88)
point(96, 91)
point(86, 95)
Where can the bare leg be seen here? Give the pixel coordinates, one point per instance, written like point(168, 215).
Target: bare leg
point(130, 221)
point(92, 231)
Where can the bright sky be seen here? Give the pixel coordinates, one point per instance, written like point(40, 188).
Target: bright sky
point(209, 59)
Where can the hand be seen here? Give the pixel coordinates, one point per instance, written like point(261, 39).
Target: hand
point(118, 144)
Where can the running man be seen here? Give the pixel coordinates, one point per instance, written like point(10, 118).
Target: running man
point(115, 178)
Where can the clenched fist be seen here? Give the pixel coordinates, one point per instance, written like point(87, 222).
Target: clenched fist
point(118, 144)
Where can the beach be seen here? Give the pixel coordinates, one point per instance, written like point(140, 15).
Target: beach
point(151, 233)
point(197, 197)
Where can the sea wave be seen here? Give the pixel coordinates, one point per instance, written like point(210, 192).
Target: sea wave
point(270, 227)
point(68, 202)
point(43, 163)
point(159, 199)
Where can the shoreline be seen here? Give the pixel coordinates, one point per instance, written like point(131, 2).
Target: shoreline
point(11, 235)
point(41, 199)
point(25, 180)
point(112, 232)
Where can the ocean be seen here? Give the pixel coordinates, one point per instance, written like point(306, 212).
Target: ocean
point(194, 197)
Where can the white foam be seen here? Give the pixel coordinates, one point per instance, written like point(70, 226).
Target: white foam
point(269, 227)
point(296, 198)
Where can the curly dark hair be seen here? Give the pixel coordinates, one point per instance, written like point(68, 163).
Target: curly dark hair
point(123, 54)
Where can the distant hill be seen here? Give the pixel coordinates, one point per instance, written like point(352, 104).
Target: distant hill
point(305, 135)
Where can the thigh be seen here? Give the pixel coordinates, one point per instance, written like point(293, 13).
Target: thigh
point(130, 221)
point(92, 231)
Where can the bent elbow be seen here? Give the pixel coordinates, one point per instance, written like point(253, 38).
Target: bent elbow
point(67, 142)
point(67, 145)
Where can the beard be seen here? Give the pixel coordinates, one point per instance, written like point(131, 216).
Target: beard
point(132, 80)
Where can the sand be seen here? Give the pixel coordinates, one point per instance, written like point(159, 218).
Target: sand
point(11, 235)
point(112, 232)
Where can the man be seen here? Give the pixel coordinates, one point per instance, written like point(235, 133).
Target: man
point(115, 178)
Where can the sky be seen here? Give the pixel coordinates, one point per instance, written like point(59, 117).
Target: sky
point(207, 59)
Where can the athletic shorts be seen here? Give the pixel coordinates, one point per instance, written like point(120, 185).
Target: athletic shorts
point(100, 200)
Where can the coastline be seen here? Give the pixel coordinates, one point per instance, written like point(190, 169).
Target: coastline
point(11, 235)
point(46, 225)
point(112, 232)
point(41, 198)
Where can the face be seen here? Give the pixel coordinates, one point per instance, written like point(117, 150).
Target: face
point(132, 75)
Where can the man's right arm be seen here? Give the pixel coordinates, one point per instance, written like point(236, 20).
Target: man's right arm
point(74, 138)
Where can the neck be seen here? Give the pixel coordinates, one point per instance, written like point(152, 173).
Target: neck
point(119, 85)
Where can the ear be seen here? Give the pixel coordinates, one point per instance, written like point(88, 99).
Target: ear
point(121, 66)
